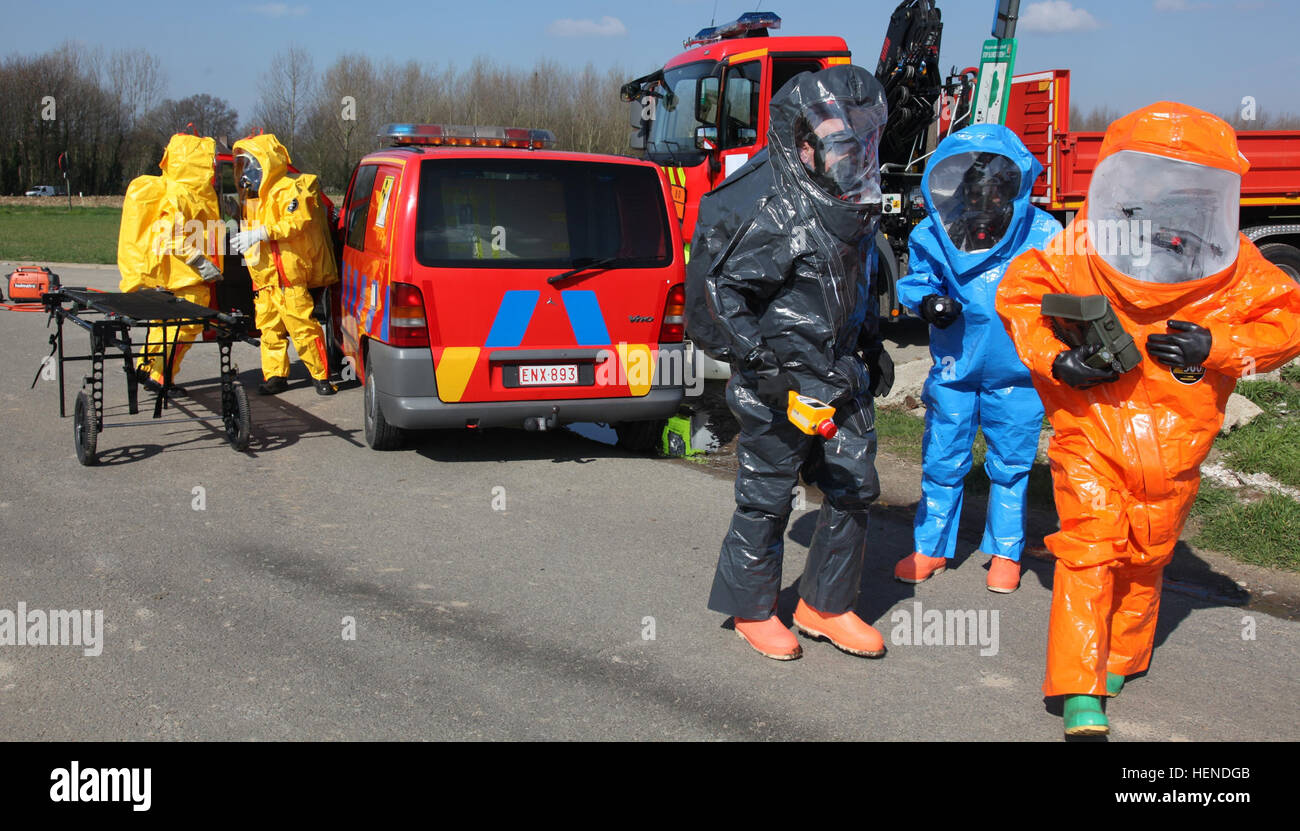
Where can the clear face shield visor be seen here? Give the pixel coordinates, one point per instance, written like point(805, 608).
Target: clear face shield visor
point(974, 195)
point(248, 175)
point(844, 140)
point(1161, 220)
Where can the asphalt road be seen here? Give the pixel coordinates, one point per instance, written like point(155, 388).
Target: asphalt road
point(577, 612)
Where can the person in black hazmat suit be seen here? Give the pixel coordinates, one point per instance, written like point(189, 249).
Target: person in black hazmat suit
point(778, 285)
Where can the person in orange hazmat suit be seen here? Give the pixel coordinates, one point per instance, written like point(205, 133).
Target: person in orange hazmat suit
point(1158, 238)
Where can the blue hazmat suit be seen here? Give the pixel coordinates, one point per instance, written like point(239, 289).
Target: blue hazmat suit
point(976, 189)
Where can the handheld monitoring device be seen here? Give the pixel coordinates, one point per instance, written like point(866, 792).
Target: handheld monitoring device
point(811, 416)
point(1088, 319)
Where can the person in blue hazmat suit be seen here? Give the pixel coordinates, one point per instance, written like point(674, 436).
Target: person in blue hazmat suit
point(979, 218)
point(778, 284)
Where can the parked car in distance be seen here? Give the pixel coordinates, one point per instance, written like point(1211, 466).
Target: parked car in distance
point(42, 190)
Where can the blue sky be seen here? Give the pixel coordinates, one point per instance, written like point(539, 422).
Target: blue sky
point(1121, 53)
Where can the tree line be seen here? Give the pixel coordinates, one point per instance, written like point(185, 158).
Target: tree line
point(107, 111)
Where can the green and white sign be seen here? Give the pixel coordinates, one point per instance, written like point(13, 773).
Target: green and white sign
point(993, 88)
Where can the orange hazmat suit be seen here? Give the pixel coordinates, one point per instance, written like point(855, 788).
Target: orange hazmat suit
point(1126, 455)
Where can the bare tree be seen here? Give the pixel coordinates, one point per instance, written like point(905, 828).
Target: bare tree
point(287, 90)
point(201, 114)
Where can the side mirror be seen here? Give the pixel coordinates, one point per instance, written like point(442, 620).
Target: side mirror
point(706, 138)
point(706, 100)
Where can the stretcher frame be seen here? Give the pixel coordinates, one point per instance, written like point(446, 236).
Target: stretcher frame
point(108, 318)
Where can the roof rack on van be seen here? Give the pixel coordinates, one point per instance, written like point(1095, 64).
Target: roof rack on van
point(447, 135)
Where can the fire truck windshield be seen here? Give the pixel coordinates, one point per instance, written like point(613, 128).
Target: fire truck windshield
point(672, 132)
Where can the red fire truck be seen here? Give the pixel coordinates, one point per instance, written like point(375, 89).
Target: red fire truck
point(704, 113)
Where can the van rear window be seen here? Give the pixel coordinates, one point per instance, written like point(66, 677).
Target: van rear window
point(539, 213)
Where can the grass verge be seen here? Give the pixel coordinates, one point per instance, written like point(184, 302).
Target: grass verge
point(56, 235)
point(1263, 533)
point(1271, 443)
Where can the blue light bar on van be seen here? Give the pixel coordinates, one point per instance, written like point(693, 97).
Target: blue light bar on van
point(747, 22)
point(453, 135)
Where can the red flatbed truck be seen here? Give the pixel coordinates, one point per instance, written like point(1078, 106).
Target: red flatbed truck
point(741, 64)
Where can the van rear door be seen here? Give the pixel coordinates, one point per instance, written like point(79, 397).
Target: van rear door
point(545, 277)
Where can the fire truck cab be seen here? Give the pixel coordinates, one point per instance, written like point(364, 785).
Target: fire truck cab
point(487, 280)
point(705, 112)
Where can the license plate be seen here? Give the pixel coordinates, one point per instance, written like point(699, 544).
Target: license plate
point(547, 375)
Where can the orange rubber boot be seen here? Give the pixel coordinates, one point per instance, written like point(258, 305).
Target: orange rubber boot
point(1004, 575)
point(917, 568)
point(770, 638)
point(846, 631)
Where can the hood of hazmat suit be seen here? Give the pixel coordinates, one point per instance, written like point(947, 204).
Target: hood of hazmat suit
point(298, 250)
point(1154, 239)
point(779, 267)
point(167, 220)
point(979, 218)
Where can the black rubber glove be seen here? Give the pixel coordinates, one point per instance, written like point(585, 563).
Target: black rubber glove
point(881, 367)
point(774, 388)
point(940, 310)
point(1069, 368)
point(774, 380)
point(1186, 344)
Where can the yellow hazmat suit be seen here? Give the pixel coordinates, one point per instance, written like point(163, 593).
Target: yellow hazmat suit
point(286, 246)
point(170, 238)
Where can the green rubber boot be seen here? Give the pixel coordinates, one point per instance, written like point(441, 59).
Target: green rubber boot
point(1083, 716)
point(1114, 683)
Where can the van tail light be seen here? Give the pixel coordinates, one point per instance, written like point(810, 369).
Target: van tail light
point(407, 325)
point(673, 329)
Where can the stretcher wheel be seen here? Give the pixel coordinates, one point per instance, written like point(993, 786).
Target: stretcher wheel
point(85, 432)
point(236, 417)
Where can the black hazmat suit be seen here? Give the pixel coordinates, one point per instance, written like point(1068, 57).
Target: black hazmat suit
point(779, 280)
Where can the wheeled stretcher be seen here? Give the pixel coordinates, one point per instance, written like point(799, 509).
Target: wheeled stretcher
point(109, 318)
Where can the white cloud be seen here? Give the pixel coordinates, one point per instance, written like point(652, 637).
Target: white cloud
point(1055, 16)
point(605, 27)
point(278, 10)
point(1179, 6)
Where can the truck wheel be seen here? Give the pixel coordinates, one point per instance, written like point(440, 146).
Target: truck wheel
point(380, 435)
point(1285, 257)
point(639, 436)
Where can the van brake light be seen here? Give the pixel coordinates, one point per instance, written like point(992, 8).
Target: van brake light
point(407, 325)
point(673, 329)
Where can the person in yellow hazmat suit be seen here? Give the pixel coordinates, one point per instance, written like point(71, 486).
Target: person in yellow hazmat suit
point(1158, 238)
point(286, 246)
point(170, 239)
